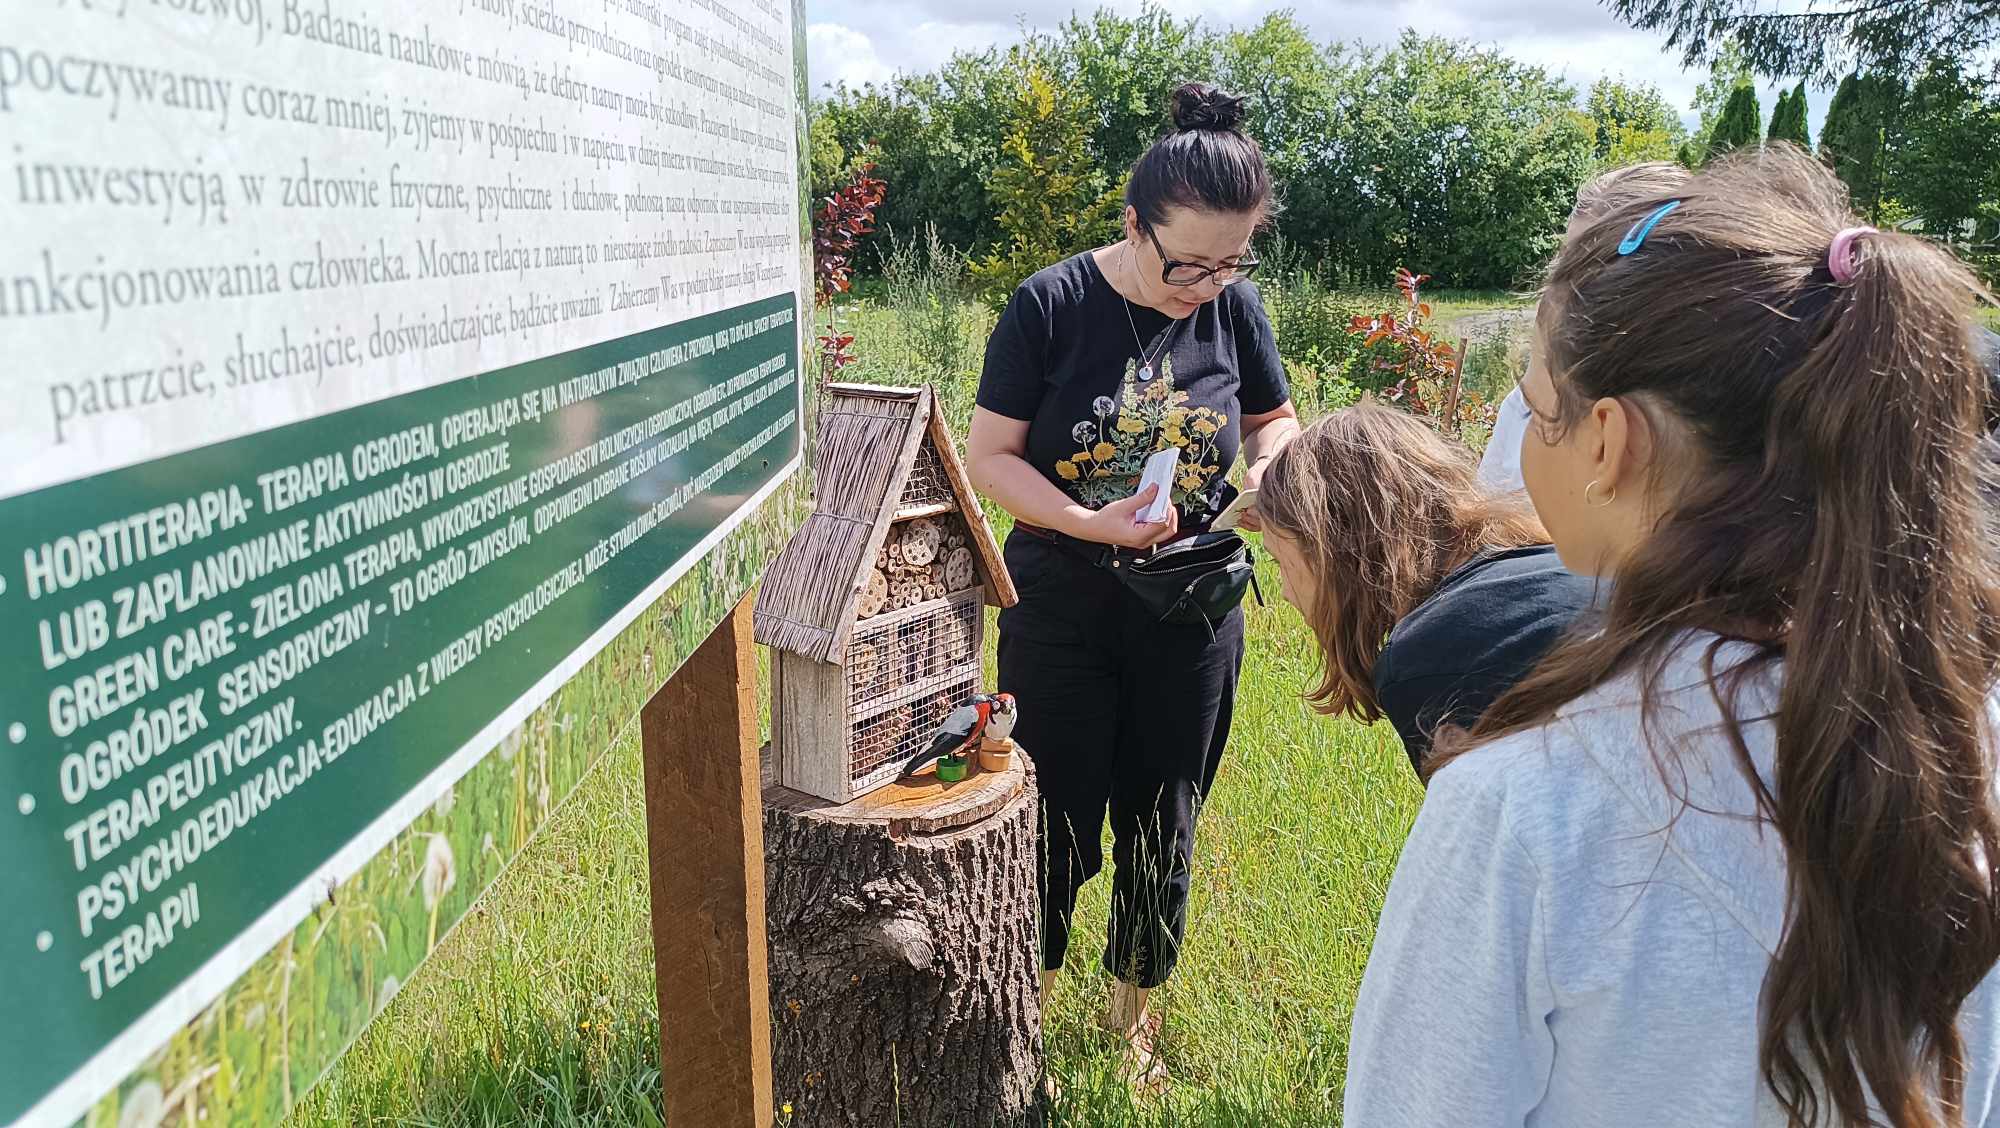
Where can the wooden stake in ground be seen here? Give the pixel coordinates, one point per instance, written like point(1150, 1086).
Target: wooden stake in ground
point(707, 861)
point(905, 954)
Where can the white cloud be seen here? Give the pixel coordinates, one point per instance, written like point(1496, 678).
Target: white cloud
point(836, 53)
point(929, 43)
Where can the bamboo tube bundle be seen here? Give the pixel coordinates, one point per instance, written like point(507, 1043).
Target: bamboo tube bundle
point(915, 641)
point(958, 640)
point(942, 705)
point(864, 668)
point(899, 724)
point(875, 741)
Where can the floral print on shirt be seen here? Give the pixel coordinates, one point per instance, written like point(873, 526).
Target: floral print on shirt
point(1145, 419)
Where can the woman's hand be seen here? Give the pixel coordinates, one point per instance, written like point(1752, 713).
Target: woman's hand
point(1252, 477)
point(1118, 523)
point(1263, 437)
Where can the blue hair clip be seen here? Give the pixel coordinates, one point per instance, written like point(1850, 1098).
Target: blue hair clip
point(1636, 238)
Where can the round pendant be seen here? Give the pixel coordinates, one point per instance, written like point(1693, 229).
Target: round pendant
point(1146, 374)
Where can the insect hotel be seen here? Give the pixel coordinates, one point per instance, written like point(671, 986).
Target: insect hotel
point(875, 611)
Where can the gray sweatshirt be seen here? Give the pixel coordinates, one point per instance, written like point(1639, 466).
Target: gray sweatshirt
point(1566, 942)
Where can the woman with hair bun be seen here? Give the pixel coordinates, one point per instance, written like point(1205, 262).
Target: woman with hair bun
point(1154, 342)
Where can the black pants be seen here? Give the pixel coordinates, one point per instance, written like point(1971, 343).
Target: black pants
point(1119, 713)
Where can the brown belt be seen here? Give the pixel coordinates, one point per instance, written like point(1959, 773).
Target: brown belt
point(1104, 552)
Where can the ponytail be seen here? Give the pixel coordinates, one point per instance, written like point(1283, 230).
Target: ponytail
point(1884, 781)
point(1823, 404)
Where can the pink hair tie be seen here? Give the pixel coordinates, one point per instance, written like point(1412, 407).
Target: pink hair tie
point(1840, 255)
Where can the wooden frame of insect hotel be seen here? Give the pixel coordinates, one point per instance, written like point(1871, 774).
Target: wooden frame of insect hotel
point(875, 611)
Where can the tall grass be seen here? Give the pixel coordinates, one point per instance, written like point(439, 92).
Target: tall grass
point(922, 323)
point(538, 1009)
point(1313, 320)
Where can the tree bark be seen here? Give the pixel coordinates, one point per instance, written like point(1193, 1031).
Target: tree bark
point(905, 954)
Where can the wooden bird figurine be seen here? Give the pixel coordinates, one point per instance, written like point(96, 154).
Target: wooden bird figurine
point(959, 734)
point(996, 747)
point(1000, 726)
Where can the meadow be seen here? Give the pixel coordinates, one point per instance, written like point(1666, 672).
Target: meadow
point(538, 1008)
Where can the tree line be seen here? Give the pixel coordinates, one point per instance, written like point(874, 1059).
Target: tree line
point(1917, 145)
point(1443, 155)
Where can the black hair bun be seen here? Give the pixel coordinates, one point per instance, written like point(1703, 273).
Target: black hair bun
point(1199, 106)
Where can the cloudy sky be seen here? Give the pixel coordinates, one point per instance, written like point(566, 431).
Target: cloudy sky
point(863, 40)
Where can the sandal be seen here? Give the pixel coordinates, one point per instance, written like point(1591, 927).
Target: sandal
point(1143, 1068)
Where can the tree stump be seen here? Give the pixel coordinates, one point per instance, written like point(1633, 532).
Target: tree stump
point(905, 955)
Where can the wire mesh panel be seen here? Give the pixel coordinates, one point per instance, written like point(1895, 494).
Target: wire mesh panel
point(957, 634)
point(927, 484)
point(892, 654)
point(884, 742)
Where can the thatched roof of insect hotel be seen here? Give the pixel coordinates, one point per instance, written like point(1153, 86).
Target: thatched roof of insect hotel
point(871, 439)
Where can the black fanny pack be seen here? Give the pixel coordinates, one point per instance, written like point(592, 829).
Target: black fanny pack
point(1197, 580)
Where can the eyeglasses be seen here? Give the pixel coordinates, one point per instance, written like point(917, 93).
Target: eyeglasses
point(1177, 273)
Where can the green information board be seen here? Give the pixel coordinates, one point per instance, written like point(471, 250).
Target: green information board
point(396, 395)
point(218, 682)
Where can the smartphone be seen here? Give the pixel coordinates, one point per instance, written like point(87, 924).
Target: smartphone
point(1233, 516)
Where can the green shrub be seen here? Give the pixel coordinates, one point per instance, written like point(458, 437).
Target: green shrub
point(1054, 199)
point(1312, 321)
point(1316, 391)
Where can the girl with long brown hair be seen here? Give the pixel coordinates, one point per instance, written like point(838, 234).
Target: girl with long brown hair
point(1428, 596)
point(1726, 860)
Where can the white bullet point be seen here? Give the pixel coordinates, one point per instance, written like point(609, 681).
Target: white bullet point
point(27, 804)
point(44, 942)
point(17, 732)
point(3, 585)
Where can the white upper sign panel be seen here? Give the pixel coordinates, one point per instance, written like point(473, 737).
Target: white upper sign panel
point(223, 216)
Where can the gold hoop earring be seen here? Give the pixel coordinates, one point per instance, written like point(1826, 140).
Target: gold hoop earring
point(1609, 498)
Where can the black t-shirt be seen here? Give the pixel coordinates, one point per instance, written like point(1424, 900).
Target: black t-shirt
point(1064, 359)
point(1484, 628)
point(1988, 344)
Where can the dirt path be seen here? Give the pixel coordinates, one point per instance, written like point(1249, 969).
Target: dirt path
point(1491, 323)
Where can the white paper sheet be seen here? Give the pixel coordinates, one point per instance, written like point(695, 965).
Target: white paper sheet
point(1161, 470)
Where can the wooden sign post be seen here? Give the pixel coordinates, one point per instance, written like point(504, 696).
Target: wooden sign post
point(704, 831)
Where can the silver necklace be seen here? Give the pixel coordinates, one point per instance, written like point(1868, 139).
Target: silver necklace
point(1145, 361)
